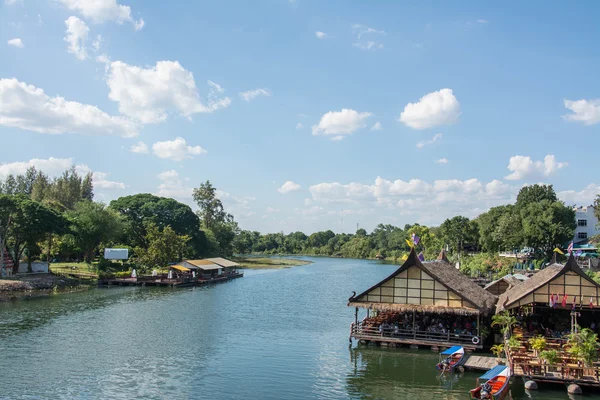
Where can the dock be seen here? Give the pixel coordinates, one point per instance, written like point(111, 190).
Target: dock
point(165, 282)
point(479, 363)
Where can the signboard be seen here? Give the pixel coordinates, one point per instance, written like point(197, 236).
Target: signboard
point(116, 254)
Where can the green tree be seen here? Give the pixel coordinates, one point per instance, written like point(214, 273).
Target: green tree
point(494, 235)
point(164, 246)
point(547, 224)
point(534, 194)
point(24, 223)
point(211, 210)
point(93, 224)
point(458, 231)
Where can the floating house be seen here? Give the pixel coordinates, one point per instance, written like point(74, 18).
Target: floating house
point(205, 268)
point(499, 286)
point(423, 303)
point(229, 267)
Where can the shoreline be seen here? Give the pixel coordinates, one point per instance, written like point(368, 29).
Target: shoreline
point(269, 262)
point(39, 285)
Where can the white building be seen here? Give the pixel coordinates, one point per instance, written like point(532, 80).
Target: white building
point(586, 223)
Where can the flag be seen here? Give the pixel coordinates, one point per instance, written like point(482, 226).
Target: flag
point(591, 303)
point(554, 300)
point(551, 302)
point(578, 253)
point(564, 301)
point(409, 243)
point(415, 239)
point(570, 248)
point(559, 251)
point(404, 257)
point(574, 301)
point(421, 256)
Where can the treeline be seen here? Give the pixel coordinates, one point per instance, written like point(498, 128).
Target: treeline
point(537, 220)
point(58, 219)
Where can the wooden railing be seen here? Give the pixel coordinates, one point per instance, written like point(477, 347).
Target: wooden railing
point(375, 332)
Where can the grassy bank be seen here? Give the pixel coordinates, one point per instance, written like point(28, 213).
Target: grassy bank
point(269, 263)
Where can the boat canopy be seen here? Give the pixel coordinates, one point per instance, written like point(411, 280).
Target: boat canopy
point(180, 268)
point(493, 372)
point(451, 350)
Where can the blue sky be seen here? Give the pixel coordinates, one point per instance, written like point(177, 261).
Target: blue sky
point(277, 103)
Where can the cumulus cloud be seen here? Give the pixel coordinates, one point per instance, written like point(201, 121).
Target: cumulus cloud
point(252, 94)
point(177, 150)
point(99, 11)
point(299, 125)
point(148, 94)
point(12, 2)
point(16, 42)
point(427, 142)
point(584, 111)
point(76, 37)
point(376, 126)
point(288, 187)
point(27, 107)
point(582, 198)
point(320, 35)
point(56, 166)
point(340, 123)
point(368, 45)
point(139, 147)
point(433, 109)
point(272, 210)
point(523, 167)
point(173, 186)
point(97, 43)
point(483, 21)
point(442, 160)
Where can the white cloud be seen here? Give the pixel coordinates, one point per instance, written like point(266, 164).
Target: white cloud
point(338, 138)
point(215, 87)
point(139, 147)
point(147, 94)
point(99, 11)
point(77, 36)
point(365, 44)
point(168, 175)
point(582, 198)
point(16, 42)
point(483, 21)
point(177, 150)
point(40, 22)
point(288, 187)
point(172, 186)
point(252, 94)
point(585, 111)
point(427, 142)
point(376, 126)
point(27, 107)
point(12, 2)
point(442, 160)
point(272, 210)
point(339, 123)
point(96, 43)
point(433, 109)
point(368, 45)
point(299, 125)
point(56, 166)
point(523, 167)
point(320, 35)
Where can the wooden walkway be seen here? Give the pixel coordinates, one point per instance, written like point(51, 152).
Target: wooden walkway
point(152, 281)
point(479, 363)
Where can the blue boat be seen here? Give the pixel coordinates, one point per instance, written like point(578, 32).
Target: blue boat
point(450, 358)
point(495, 386)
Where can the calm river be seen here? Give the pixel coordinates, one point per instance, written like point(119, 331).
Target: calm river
point(273, 334)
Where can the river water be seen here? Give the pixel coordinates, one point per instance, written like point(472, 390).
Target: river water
point(273, 334)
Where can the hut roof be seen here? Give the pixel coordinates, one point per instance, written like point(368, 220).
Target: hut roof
point(538, 280)
point(443, 272)
point(223, 262)
point(443, 257)
point(204, 264)
point(510, 279)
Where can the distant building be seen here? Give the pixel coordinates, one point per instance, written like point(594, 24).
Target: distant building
point(586, 224)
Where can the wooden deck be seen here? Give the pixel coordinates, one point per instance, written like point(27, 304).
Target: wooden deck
point(479, 363)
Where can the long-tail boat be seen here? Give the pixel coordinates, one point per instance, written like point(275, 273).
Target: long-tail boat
point(450, 358)
point(495, 386)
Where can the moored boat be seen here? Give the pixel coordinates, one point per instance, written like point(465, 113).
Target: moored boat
point(450, 358)
point(495, 386)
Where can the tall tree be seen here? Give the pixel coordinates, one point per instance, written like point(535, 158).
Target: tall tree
point(211, 211)
point(547, 224)
point(164, 246)
point(93, 224)
point(459, 231)
point(534, 194)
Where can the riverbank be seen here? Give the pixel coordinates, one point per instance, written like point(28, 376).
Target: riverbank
point(269, 262)
point(38, 285)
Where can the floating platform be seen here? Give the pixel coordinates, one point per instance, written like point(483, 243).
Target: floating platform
point(479, 363)
point(165, 282)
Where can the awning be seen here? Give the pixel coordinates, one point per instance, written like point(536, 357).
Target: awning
point(451, 350)
point(180, 268)
point(493, 372)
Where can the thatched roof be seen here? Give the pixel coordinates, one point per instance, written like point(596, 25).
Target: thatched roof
point(223, 262)
point(443, 257)
point(538, 280)
point(202, 264)
point(509, 279)
point(390, 307)
point(443, 272)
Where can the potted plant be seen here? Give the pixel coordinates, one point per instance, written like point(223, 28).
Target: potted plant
point(584, 345)
point(513, 341)
point(498, 351)
point(505, 321)
point(538, 344)
point(550, 357)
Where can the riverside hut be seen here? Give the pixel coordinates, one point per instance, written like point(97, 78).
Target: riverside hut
point(207, 269)
point(229, 267)
point(423, 303)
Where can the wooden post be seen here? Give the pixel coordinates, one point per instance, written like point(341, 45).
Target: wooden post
point(414, 326)
point(478, 327)
point(356, 316)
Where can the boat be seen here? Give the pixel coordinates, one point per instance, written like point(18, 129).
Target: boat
point(451, 358)
point(495, 386)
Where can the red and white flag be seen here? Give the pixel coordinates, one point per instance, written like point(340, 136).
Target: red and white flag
point(564, 301)
point(591, 303)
